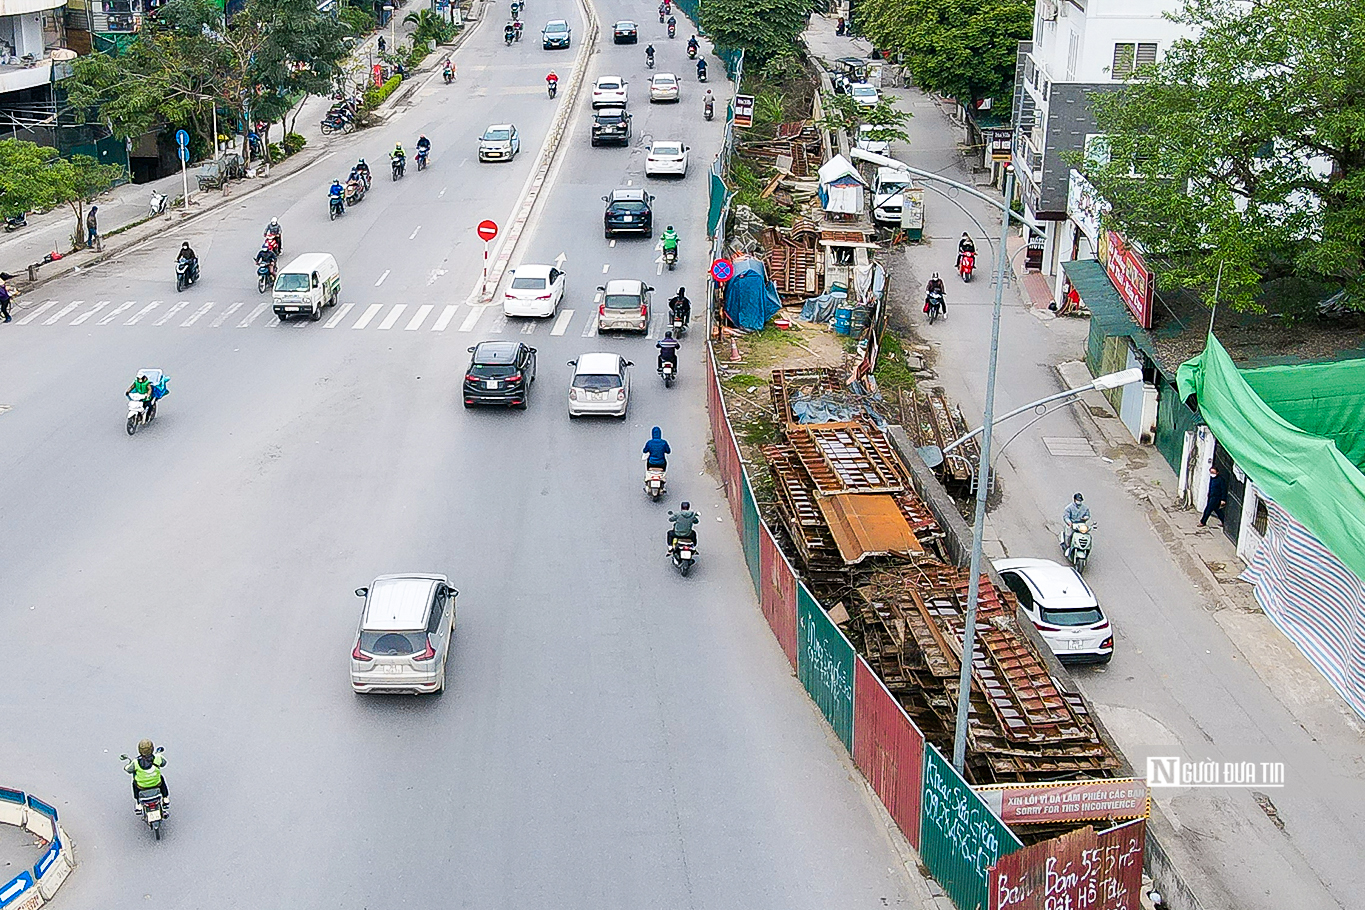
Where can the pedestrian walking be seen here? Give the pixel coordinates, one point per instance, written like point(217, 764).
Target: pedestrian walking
point(92, 230)
point(382, 45)
point(4, 299)
point(1218, 497)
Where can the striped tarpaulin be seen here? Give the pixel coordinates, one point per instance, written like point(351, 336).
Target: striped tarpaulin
point(1314, 600)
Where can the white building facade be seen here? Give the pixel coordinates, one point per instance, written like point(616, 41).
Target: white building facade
point(29, 31)
point(1079, 47)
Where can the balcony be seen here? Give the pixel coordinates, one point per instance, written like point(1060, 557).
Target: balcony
point(24, 73)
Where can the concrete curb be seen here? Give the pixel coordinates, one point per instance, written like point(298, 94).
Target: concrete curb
point(531, 193)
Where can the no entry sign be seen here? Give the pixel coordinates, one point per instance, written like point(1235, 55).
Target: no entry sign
point(721, 270)
point(487, 230)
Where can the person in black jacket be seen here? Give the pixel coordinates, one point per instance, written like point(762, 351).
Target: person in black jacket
point(1218, 497)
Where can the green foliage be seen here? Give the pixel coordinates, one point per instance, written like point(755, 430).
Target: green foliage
point(893, 373)
point(375, 96)
point(358, 20)
point(764, 29)
point(768, 110)
point(964, 49)
point(1244, 150)
point(431, 27)
point(843, 113)
point(294, 143)
point(33, 177)
point(748, 189)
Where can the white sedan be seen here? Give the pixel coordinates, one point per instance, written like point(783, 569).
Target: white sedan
point(609, 90)
point(667, 158)
point(535, 290)
point(663, 87)
point(1063, 608)
point(864, 95)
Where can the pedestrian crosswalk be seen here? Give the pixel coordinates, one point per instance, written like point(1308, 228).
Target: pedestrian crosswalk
point(246, 314)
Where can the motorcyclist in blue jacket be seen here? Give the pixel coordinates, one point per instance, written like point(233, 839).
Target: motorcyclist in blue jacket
point(656, 451)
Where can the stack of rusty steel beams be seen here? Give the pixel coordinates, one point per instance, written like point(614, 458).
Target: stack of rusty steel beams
point(930, 420)
point(909, 622)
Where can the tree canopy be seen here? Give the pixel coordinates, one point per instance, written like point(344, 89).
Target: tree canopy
point(964, 49)
point(1243, 150)
point(764, 29)
point(34, 177)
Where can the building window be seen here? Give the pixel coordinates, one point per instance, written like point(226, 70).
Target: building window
point(1261, 521)
point(1073, 56)
point(1128, 57)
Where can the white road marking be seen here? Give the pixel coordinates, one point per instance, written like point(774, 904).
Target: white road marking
point(381, 278)
point(394, 313)
point(421, 316)
point(84, 316)
point(435, 273)
point(38, 312)
point(443, 189)
point(172, 311)
point(529, 328)
point(223, 316)
point(62, 312)
point(137, 317)
point(472, 318)
point(371, 311)
point(659, 266)
point(339, 315)
point(204, 308)
point(562, 323)
point(611, 244)
point(597, 298)
point(115, 311)
point(414, 232)
point(656, 324)
point(591, 328)
point(559, 261)
point(499, 324)
point(605, 266)
point(257, 310)
point(444, 319)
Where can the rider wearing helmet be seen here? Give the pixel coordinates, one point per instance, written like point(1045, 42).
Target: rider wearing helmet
point(146, 771)
point(681, 306)
point(1077, 511)
point(668, 351)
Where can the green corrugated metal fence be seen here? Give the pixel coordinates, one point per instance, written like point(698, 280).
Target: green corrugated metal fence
point(960, 839)
point(824, 664)
point(750, 532)
point(1173, 420)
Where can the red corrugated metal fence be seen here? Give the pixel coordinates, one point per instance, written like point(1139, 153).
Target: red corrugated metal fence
point(778, 592)
point(889, 749)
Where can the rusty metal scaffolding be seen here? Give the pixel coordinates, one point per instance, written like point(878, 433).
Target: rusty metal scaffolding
point(1022, 726)
point(930, 419)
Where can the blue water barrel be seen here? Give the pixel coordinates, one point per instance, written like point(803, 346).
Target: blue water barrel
point(843, 318)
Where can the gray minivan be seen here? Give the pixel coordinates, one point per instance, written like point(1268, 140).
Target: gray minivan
point(404, 635)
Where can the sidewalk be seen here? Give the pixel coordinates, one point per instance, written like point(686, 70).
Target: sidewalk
point(124, 212)
point(1198, 670)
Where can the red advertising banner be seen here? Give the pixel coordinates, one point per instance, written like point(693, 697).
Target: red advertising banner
point(1072, 801)
point(1080, 869)
point(777, 592)
point(1132, 279)
point(889, 749)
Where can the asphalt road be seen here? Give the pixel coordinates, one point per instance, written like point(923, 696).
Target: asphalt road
point(612, 735)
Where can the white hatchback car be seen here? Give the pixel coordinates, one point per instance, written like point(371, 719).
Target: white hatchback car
point(1063, 608)
point(404, 635)
point(664, 87)
point(864, 95)
point(535, 290)
point(666, 158)
point(869, 144)
point(600, 385)
point(609, 90)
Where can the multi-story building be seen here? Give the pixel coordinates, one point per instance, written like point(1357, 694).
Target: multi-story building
point(1079, 47)
point(29, 31)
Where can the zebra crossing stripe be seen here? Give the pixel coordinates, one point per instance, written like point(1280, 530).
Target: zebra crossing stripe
point(471, 319)
point(591, 328)
point(114, 313)
point(339, 315)
point(171, 312)
point(86, 315)
point(371, 311)
point(204, 308)
point(251, 317)
point(137, 317)
point(38, 312)
point(562, 323)
point(423, 312)
point(62, 312)
point(444, 319)
point(394, 313)
point(223, 316)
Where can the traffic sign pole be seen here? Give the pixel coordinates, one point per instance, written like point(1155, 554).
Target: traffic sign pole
point(182, 139)
point(487, 231)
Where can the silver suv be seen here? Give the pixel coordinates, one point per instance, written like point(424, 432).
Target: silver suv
point(404, 635)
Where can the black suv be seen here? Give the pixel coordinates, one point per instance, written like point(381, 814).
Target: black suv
point(625, 32)
point(610, 124)
point(500, 372)
point(628, 212)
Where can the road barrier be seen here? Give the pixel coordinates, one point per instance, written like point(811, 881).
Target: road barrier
point(33, 887)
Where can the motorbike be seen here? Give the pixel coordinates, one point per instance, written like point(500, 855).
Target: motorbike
point(679, 326)
point(448, 75)
point(552, 88)
point(708, 109)
point(649, 61)
point(668, 371)
point(140, 411)
point(672, 30)
point(337, 125)
point(966, 264)
point(364, 177)
point(336, 207)
point(516, 31)
point(422, 159)
point(691, 52)
point(1078, 550)
point(508, 38)
point(684, 555)
point(186, 273)
point(149, 804)
point(274, 241)
point(158, 204)
point(265, 277)
point(14, 222)
point(937, 306)
point(655, 481)
point(670, 257)
point(398, 165)
point(701, 73)
point(355, 192)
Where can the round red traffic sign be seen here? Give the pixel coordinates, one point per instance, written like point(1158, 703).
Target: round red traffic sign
point(721, 270)
point(487, 230)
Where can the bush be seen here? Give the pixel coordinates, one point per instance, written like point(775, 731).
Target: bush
point(275, 152)
point(358, 20)
point(417, 53)
point(293, 143)
point(374, 97)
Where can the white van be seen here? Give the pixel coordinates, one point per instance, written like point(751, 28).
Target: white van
point(307, 285)
point(888, 194)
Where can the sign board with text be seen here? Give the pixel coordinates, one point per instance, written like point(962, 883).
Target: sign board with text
point(1128, 271)
point(1080, 870)
point(1000, 142)
point(744, 111)
point(1069, 801)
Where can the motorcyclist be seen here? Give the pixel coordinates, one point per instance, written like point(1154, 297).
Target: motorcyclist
point(1077, 511)
point(516, 29)
point(684, 524)
point(187, 255)
point(672, 26)
point(363, 170)
point(663, 12)
point(965, 245)
point(273, 230)
point(399, 157)
point(448, 70)
point(670, 240)
point(935, 284)
point(146, 771)
point(708, 102)
point(509, 34)
point(649, 54)
point(267, 256)
point(692, 46)
point(701, 67)
point(656, 450)
point(681, 306)
point(336, 193)
point(668, 351)
point(423, 147)
point(141, 390)
point(551, 79)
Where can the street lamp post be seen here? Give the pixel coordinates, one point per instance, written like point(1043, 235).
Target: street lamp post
point(393, 28)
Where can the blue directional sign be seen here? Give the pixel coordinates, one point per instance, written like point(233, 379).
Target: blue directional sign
point(184, 154)
point(182, 138)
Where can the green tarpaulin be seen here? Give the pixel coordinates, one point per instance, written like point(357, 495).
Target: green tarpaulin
point(1299, 468)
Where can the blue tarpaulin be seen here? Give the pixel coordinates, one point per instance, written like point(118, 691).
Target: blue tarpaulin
point(750, 298)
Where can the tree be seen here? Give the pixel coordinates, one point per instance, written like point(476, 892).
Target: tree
point(763, 29)
point(845, 114)
point(34, 177)
point(964, 49)
point(1243, 150)
point(431, 26)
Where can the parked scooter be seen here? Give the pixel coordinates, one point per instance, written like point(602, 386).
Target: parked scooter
point(14, 222)
point(655, 482)
point(158, 203)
